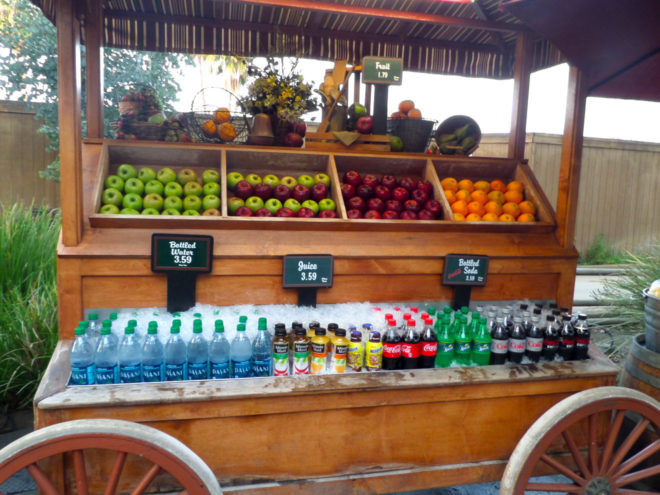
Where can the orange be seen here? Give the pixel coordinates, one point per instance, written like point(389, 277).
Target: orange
point(505, 217)
point(482, 185)
point(209, 128)
point(514, 185)
point(463, 194)
point(476, 207)
point(528, 207)
point(513, 196)
point(451, 195)
point(496, 196)
point(449, 183)
point(490, 217)
point(406, 106)
point(227, 131)
point(493, 207)
point(221, 115)
point(479, 195)
point(473, 217)
point(498, 185)
point(511, 208)
point(398, 115)
point(459, 217)
point(414, 114)
point(460, 206)
point(526, 217)
point(466, 184)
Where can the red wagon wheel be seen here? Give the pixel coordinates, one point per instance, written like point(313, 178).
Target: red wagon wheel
point(607, 465)
point(165, 453)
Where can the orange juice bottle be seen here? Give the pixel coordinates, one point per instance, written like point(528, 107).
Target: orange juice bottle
point(319, 351)
point(339, 351)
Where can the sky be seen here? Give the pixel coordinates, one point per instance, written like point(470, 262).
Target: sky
point(487, 101)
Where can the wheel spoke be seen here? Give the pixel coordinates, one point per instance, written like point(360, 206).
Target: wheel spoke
point(638, 475)
point(635, 492)
point(593, 444)
point(553, 487)
point(42, 480)
point(111, 488)
point(579, 460)
point(627, 444)
point(146, 480)
point(562, 469)
point(611, 439)
point(81, 472)
point(640, 456)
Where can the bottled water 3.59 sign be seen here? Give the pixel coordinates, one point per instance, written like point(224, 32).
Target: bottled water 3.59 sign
point(175, 252)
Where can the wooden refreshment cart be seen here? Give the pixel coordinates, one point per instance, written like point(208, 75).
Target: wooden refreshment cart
point(376, 433)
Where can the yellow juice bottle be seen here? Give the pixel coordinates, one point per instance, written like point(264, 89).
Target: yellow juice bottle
point(339, 351)
point(319, 351)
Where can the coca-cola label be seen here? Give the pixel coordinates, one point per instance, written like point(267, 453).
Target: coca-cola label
point(534, 345)
point(499, 346)
point(581, 342)
point(568, 343)
point(516, 345)
point(409, 350)
point(392, 351)
point(429, 348)
point(550, 344)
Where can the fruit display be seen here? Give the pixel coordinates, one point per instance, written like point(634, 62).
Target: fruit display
point(407, 110)
point(220, 126)
point(388, 197)
point(145, 191)
point(488, 201)
point(458, 135)
point(304, 196)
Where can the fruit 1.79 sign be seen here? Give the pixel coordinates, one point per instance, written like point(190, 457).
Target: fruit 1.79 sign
point(181, 253)
point(465, 269)
point(299, 271)
point(382, 70)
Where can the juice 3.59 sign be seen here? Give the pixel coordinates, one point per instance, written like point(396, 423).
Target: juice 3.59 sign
point(181, 253)
point(465, 269)
point(300, 270)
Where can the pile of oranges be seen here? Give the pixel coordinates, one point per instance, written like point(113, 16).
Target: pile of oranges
point(492, 201)
point(220, 126)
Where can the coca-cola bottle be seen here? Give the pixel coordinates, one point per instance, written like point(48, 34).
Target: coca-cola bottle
point(550, 339)
point(429, 346)
point(507, 319)
point(534, 341)
point(517, 341)
point(582, 336)
point(567, 339)
point(391, 347)
point(499, 346)
point(410, 348)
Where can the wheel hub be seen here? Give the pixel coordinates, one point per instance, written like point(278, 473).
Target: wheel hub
point(598, 486)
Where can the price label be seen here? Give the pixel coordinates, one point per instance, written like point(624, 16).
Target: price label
point(381, 70)
point(181, 253)
point(307, 271)
point(465, 269)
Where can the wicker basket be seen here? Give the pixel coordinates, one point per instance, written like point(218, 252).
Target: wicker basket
point(126, 107)
point(450, 126)
point(415, 133)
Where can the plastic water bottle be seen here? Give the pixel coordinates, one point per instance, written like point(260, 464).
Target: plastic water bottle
point(240, 352)
point(219, 352)
point(105, 359)
point(198, 354)
point(176, 355)
point(130, 357)
point(262, 351)
point(82, 359)
point(94, 328)
point(153, 366)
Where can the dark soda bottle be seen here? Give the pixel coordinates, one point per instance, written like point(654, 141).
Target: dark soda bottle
point(429, 346)
point(534, 341)
point(411, 347)
point(550, 339)
point(391, 347)
point(582, 336)
point(499, 344)
point(517, 341)
point(567, 339)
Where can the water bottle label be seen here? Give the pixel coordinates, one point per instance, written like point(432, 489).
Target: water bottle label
point(261, 367)
point(534, 344)
point(152, 372)
point(517, 345)
point(446, 347)
point(462, 347)
point(499, 346)
point(241, 369)
point(392, 351)
point(429, 348)
point(410, 350)
point(130, 374)
point(481, 347)
point(174, 372)
point(220, 370)
point(80, 376)
point(105, 374)
point(198, 371)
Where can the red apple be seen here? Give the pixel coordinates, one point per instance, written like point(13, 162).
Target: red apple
point(408, 183)
point(382, 192)
point(301, 193)
point(243, 211)
point(420, 195)
point(376, 204)
point(300, 128)
point(264, 191)
point(372, 215)
point(293, 140)
point(353, 178)
point(412, 205)
point(357, 203)
point(388, 181)
point(370, 180)
point(263, 212)
point(426, 215)
point(426, 186)
point(243, 189)
point(281, 192)
point(390, 215)
point(408, 215)
point(400, 194)
point(365, 191)
point(347, 191)
point(434, 207)
point(328, 214)
point(305, 213)
point(365, 125)
point(285, 212)
point(394, 205)
point(319, 191)
point(354, 214)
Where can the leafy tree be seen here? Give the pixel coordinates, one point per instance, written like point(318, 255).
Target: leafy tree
point(28, 70)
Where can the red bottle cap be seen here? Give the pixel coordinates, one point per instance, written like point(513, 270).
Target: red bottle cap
point(388, 316)
point(414, 310)
point(406, 316)
point(411, 322)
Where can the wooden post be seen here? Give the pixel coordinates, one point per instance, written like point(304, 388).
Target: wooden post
point(571, 159)
point(356, 86)
point(520, 96)
point(94, 69)
point(68, 78)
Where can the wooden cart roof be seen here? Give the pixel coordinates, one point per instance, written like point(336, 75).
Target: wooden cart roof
point(471, 39)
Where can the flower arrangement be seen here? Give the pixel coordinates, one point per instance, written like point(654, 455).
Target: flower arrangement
point(273, 92)
point(145, 102)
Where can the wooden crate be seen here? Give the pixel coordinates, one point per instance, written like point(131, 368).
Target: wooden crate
point(327, 141)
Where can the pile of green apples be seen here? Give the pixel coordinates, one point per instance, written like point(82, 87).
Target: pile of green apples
point(166, 192)
point(270, 196)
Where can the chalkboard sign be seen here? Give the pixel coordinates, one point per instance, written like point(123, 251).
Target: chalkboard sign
point(382, 70)
point(302, 270)
point(181, 253)
point(465, 269)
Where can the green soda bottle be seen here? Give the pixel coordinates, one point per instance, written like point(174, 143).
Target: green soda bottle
point(474, 324)
point(481, 348)
point(445, 355)
point(463, 341)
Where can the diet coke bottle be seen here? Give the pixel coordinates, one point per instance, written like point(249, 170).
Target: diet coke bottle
point(499, 346)
point(534, 342)
point(391, 347)
point(429, 346)
point(567, 339)
point(411, 348)
point(582, 336)
point(517, 341)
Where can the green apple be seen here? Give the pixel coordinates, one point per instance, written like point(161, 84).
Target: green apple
point(273, 205)
point(115, 182)
point(132, 200)
point(171, 211)
point(289, 181)
point(210, 201)
point(211, 189)
point(109, 209)
point(150, 211)
point(190, 213)
point(112, 197)
point(254, 203)
point(186, 175)
point(306, 180)
point(312, 205)
point(192, 202)
point(192, 189)
point(173, 189)
point(327, 204)
point(157, 118)
point(322, 178)
point(210, 175)
point(126, 171)
point(173, 203)
point(234, 204)
point(154, 187)
point(154, 201)
point(292, 204)
point(134, 185)
point(234, 178)
point(271, 179)
point(145, 174)
point(212, 212)
point(253, 179)
point(129, 211)
point(166, 175)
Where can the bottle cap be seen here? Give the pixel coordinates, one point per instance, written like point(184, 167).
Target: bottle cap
point(375, 336)
point(446, 310)
point(388, 316)
point(582, 316)
point(475, 314)
point(424, 316)
point(414, 309)
point(465, 310)
point(262, 324)
point(197, 315)
point(356, 336)
point(411, 323)
point(241, 327)
point(549, 318)
point(197, 329)
point(219, 326)
point(176, 323)
point(431, 311)
point(332, 327)
point(296, 324)
point(129, 330)
point(175, 329)
point(107, 323)
point(83, 324)
point(407, 316)
point(93, 316)
point(152, 324)
point(391, 323)
point(428, 321)
point(280, 329)
point(132, 323)
point(319, 331)
point(152, 330)
point(242, 319)
point(314, 324)
point(113, 316)
point(106, 331)
point(340, 332)
point(483, 321)
point(299, 331)
point(176, 315)
point(79, 331)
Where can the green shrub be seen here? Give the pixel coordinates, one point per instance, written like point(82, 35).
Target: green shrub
point(28, 299)
point(601, 252)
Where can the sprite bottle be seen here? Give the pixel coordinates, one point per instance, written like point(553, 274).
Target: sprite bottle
point(445, 355)
point(463, 341)
point(481, 347)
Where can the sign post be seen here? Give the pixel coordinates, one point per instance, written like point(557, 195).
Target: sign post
point(464, 271)
point(382, 72)
point(181, 257)
point(307, 273)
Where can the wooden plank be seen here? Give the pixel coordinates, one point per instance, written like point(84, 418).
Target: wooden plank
point(69, 296)
point(521, 72)
point(94, 68)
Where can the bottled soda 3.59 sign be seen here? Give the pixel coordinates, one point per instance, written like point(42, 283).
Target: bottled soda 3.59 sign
point(178, 252)
point(465, 269)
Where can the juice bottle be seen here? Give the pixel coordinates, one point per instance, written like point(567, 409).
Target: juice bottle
point(339, 352)
point(280, 351)
point(300, 352)
point(355, 356)
point(373, 354)
point(332, 328)
point(311, 332)
point(319, 351)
